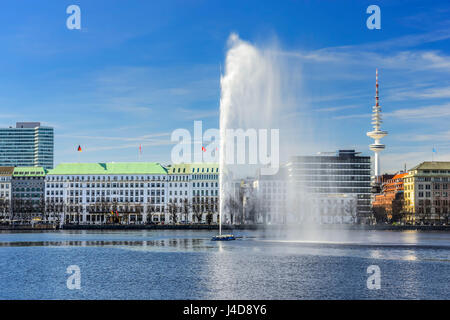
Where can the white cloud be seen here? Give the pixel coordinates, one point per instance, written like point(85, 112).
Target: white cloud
point(354, 116)
point(338, 108)
point(443, 136)
point(392, 53)
point(419, 93)
point(93, 148)
point(113, 138)
point(407, 114)
point(197, 114)
point(421, 113)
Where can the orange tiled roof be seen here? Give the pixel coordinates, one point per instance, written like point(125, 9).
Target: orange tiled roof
point(400, 175)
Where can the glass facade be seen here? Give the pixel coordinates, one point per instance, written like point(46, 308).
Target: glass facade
point(28, 144)
point(343, 173)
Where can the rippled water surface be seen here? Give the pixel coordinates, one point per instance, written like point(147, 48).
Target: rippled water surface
point(172, 264)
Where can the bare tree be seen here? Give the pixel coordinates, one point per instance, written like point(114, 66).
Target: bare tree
point(151, 210)
point(379, 214)
point(3, 212)
point(197, 209)
point(232, 206)
point(139, 209)
point(172, 210)
point(209, 217)
point(350, 209)
point(21, 209)
point(186, 206)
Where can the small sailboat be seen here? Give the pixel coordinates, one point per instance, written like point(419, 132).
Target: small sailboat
point(222, 237)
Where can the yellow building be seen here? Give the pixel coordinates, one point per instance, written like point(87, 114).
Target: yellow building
point(427, 193)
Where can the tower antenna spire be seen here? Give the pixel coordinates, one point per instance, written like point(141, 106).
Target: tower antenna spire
point(376, 89)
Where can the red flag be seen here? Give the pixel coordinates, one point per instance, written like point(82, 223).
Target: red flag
point(79, 148)
point(203, 149)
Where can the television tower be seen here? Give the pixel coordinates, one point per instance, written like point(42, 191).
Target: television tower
point(377, 133)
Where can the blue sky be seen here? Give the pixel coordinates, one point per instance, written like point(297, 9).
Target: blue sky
point(137, 70)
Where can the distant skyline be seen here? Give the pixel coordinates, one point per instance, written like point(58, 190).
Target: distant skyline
point(138, 70)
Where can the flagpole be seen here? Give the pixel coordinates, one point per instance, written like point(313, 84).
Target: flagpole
point(79, 151)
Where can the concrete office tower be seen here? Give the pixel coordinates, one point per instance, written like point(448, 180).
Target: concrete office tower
point(28, 144)
point(377, 133)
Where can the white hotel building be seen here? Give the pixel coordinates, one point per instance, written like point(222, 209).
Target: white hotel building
point(131, 193)
point(96, 193)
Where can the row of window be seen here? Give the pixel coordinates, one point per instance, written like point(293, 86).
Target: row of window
point(204, 193)
point(427, 179)
point(108, 185)
point(107, 192)
point(105, 178)
point(428, 194)
point(178, 170)
point(332, 166)
point(133, 185)
point(120, 199)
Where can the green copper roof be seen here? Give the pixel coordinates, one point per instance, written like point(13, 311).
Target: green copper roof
point(187, 168)
point(29, 172)
point(108, 168)
point(433, 165)
point(183, 168)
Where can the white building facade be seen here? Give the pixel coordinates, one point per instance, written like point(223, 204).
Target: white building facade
point(97, 193)
point(194, 192)
point(270, 192)
point(132, 193)
point(5, 192)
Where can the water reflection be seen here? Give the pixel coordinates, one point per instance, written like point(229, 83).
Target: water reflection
point(410, 236)
point(407, 246)
point(375, 254)
point(187, 265)
point(174, 243)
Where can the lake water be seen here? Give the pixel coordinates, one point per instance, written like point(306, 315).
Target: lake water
point(179, 264)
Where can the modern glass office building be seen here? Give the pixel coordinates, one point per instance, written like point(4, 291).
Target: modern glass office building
point(28, 144)
point(343, 173)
